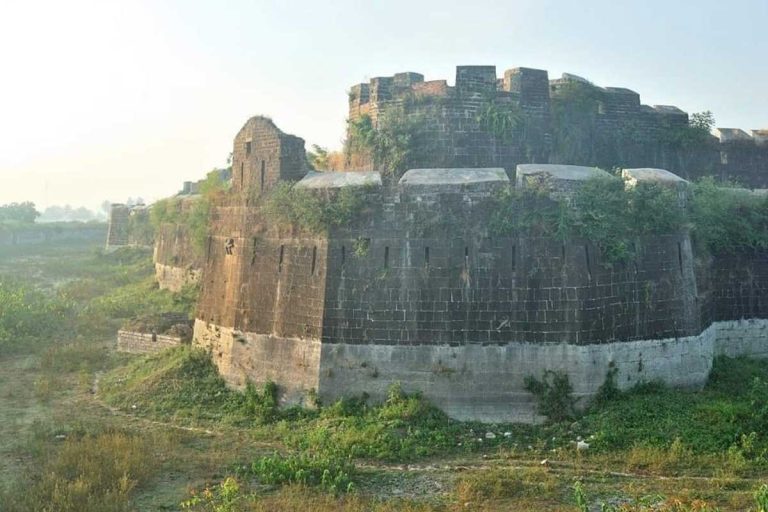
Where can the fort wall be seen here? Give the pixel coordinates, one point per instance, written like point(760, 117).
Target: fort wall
point(566, 120)
point(418, 290)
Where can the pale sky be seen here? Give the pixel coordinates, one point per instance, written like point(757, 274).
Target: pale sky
point(110, 99)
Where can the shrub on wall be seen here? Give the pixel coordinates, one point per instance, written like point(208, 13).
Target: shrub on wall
point(195, 217)
point(311, 210)
point(502, 121)
point(390, 143)
point(603, 210)
point(728, 219)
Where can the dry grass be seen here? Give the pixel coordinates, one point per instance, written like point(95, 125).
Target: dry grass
point(92, 473)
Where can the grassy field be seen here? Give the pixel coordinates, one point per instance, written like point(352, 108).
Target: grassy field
point(83, 428)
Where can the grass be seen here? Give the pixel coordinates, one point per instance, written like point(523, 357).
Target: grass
point(61, 449)
point(92, 473)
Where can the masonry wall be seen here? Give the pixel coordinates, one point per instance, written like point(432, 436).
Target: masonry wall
point(616, 131)
point(433, 274)
point(269, 291)
point(145, 343)
point(263, 155)
point(177, 260)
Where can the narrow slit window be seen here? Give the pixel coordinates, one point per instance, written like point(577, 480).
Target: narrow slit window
point(466, 256)
point(589, 263)
point(514, 257)
point(248, 148)
point(253, 251)
point(263, 173)
point(343, 254)
point(680, 256)
point(280, 259)
point(314, 259)
point(426, 255)
point(386, 257)
point(241, 173)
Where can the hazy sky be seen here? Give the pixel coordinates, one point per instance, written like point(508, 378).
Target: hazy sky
point(110, 99)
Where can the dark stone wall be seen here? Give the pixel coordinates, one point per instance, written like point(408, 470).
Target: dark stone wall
point(432, 274)
point(739, 285)
point(263, 155)
point(618, 131)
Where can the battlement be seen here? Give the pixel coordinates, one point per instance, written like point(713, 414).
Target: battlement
point(484, 120)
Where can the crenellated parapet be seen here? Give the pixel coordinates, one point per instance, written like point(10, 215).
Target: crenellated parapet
point(524, 117)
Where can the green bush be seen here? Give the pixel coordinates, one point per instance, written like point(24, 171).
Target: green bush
point(26, 313)
point(502, 121)
point(602, 210)
point(312, 211)
point(554, 394)
point(391, 143)
point(332, 474)
point(728, 219)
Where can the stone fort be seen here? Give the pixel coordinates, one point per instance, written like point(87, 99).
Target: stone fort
point(417, 289)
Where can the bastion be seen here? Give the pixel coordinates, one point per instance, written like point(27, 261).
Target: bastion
point(417, 289)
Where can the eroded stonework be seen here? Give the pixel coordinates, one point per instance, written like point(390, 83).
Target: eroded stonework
point(417, 290)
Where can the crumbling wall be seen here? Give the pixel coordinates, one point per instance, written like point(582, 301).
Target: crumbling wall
point(145, 343)
point(260, 309)
point(263, 155)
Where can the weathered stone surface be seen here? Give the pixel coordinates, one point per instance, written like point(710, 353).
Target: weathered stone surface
point(145, 343)
point(660, 176)
point(328, 180)
point(557, 172)
point(453, 177)
point(561, 181)
point(417, 289)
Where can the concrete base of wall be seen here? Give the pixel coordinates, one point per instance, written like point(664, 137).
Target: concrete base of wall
point(175, 278)
point(292, 363)
point(474, 382)
point(144, 343)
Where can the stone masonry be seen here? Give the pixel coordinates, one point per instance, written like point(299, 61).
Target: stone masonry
point(417, 290)
point(567, 120)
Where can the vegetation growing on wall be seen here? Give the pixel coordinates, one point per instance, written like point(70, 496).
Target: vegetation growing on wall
point(391, 143)
point(603, 210)
point(196, 217)
point(693, 135)
point(502, 121)
point(314, 211)
point(728, 219)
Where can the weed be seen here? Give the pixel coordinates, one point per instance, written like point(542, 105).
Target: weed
point(554, 394)
point(761, 498)
point(332, 474)
point(312, 211)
